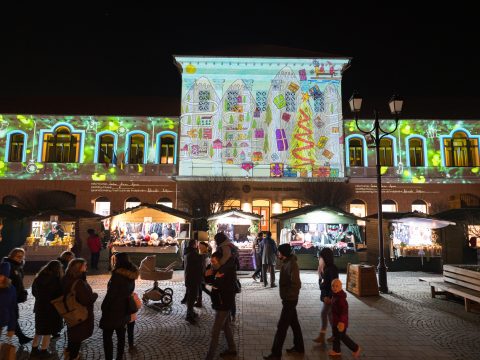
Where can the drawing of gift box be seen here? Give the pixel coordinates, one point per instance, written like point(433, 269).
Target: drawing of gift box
point(195, 149)
point(289, 172)
point(257, 156)
point(276, 170)
point(323, 171)
point(286, 117)
point(280, 101)
point(315, 91)
point(328, 154)
point(322, 142)
point(293, 87)
point(282, 144)
point(334, 172)
point(256, 113)
point(259, 134)
point(303, 74)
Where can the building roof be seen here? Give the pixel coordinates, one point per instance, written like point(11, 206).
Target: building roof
point(157, 207)
point(235, 213)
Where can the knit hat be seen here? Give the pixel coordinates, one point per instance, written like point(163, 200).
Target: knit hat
point(285, 249)
point(5, 269)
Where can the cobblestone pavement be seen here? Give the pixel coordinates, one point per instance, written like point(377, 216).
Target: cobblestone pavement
point(403, 325)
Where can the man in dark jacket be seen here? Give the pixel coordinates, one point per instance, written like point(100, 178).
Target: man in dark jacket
point(16, 258)
point(290, 285)
point(268, 254)
point(193, 278)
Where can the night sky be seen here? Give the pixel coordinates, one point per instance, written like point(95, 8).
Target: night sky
point(112, 59)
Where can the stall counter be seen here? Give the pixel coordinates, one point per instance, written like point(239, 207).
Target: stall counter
point(44, 253)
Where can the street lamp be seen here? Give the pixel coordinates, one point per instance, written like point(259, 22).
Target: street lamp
point(377, 134)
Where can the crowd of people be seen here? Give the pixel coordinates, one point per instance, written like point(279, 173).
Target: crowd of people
point(213, 273)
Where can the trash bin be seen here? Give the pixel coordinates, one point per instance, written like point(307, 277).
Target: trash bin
point(362, 280)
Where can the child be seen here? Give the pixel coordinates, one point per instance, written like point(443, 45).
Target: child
point(8, 301)
point(340, 321)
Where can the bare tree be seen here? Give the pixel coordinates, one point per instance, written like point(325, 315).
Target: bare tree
point(328, 193)
point(204, 198)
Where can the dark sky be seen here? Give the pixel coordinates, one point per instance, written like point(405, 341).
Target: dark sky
point(108, 58)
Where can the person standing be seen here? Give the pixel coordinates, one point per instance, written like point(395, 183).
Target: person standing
point(46, 286)
point(8, 301)
point(16, 259)
point(65, 258)
point(327, 272)
point(258, 258)
point(204, 250)
point(222, 279)
point(76, 278)
point(193, 278)
point(290, 285)
point(95, 245)
point(115, 305)
point(268, 254)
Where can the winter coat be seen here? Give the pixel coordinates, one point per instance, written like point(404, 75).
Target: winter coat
point(339, 308)
point(86, 297)
point(94, 243)
point(64, 264)
point(8, 305)
point(193, 268)
point(290, 283)
point(226, 251)
point(223, 288)
point(329, 273)
point(45, 288)
point(115, 306)
point(16, 275)
point(268, 251)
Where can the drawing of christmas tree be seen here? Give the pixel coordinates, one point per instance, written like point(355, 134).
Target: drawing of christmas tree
point(302, 146)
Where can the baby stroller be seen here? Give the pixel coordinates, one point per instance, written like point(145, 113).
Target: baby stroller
point(149, 272)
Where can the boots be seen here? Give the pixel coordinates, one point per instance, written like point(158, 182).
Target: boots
point(320, 339)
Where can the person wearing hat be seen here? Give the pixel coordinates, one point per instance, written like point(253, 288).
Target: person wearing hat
point(290, 285)
point(8, 301)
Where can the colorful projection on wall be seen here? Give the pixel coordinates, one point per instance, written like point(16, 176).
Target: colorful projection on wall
point(261, 117)
point(97, 148)
point(419, 151)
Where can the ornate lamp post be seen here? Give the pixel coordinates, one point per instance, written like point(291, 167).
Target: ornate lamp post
point(377, 134)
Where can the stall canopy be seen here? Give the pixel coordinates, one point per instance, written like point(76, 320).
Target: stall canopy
point(64, 214)
point(318, 214)
point(414, 219)
point(160, 213)
point(235, 217)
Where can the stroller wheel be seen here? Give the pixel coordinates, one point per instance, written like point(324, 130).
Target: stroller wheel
point(166, 299)
point(168, 291)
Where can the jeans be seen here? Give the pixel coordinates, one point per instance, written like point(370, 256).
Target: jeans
point(345, 339)
point(326, 315)
point(267, 267)
point(288, 318)
point(130, 332)
point(108, 342)
point(94, 260)
point(258, 266)
point(222, 321)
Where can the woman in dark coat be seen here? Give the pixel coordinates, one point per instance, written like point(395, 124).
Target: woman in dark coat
point(77, 274)
point(115, 307)
point(46, 287)
point(8, 301)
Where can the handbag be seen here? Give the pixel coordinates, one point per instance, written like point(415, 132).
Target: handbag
point(8, 352)
point(70, 309)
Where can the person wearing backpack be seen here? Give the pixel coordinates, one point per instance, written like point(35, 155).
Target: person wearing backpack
point(76, 279)
point(46, 286)
point(116, 312)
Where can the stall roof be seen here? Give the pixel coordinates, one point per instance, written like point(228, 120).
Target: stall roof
point(9, 211)
point(339, 214)
point(415, 217)
point(235, 213)
point(460, 214)
point(64, 214)
point(157, 207)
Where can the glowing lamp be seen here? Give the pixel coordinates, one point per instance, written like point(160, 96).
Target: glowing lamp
point(276, 208)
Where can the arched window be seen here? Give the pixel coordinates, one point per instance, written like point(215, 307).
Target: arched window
point(415, 151)
point(262, 207)
point(16, 145)
point(102, 206)
point(165, 202)
point(137, 147)
point(132, 202)
point(167, 149)
point(420, 205)
point(355, 152)
point(231, 204)
point(358, 208)
point(389, 206)
point(61, 146)
point(386, 152)
point(106, 148)
point(461, 150)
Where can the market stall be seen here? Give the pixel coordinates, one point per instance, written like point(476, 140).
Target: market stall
point(241, 228)
point(58, 230)
point(311, 228)
point(149, 229)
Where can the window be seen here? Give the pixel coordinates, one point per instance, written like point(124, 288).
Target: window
point(420, 206)
point(167, 149)
point(204, 100)
point(232, 100)
point(318, 104)
point(106, 148)
point(61, 146)
point(136, 149)
point(290, 101)
point(231, 204)
point(262, 207)
point(132, 202)
point(102, 206)
point(261, 100)
point(165, 202)
point(289, 205)
point(460, 150)
point(17, 148)
point(355, 152)
point(358, 208)
point(415, 147)
point(389, 206)
point(386, 152)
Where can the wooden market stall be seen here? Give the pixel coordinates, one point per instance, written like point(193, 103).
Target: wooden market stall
point(241, 228)
point(313, 227)
point(150, 229)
